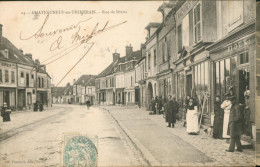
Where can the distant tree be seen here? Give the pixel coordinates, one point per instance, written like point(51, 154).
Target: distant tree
point(68, 84)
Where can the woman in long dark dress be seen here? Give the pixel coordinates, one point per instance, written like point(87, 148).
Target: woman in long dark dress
point(5, 114)
point(218, 119)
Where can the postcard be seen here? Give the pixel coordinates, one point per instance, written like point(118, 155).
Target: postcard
point(129, 83)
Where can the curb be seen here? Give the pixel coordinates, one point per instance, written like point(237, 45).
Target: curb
point(148, 157)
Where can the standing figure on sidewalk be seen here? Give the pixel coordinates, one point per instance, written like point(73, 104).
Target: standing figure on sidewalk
point(235, 126)
point(153, 106)
point(160, 105)
point(192, 117)
point(226, 106)
point(171, 111)
point(186, 103)
point(88, 104)
point(247, 114)
point(218, 119)
point(5, 113)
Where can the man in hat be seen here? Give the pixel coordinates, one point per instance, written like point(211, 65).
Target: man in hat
point(235, 126)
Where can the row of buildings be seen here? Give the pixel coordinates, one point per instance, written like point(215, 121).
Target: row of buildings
point(79, 92)
point(23, 81)
point(201, 49)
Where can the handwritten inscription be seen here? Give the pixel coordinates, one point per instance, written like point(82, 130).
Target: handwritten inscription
point(79, 36)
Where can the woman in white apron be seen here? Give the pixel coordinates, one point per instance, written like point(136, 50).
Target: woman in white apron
point(226, 106)
point(192, 118)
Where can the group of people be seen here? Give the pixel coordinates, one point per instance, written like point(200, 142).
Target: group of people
point(231, 120)
point(156, 105)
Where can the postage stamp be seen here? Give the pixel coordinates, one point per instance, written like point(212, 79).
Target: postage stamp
point(79, 150)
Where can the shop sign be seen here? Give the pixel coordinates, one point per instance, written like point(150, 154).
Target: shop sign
point(5, 64)
point(239, 44)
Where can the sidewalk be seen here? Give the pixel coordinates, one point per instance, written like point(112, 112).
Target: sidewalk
point(25, 117)
point(212, 148)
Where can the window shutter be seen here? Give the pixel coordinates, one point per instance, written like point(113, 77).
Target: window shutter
point(179, 38)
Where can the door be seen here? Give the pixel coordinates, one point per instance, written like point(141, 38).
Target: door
point(243, 84)
point(188, 84)
point(7, 98)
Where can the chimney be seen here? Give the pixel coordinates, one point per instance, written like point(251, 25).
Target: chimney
point(21, 50)
point(1, 33)
point(128, 50)
point(115, 56)
point(29, 55)
point(43, 67)
point(74, 80)
point(37, 61)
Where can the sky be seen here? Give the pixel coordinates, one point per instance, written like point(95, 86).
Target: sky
point(22, 20)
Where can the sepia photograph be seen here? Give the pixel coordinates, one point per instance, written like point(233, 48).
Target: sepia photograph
point(129, 83)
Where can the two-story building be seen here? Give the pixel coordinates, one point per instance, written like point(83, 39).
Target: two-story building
point(151, 62)
point(84, 89)
point(233, 55)
point(18, 77)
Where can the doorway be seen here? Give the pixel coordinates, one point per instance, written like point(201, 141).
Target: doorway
point(188, 84)
point(243, 84)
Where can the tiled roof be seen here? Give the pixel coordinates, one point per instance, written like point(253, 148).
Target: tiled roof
point(86, 80)
point(14, 54)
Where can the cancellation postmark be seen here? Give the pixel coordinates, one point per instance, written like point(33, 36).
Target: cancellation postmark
point(79, 150)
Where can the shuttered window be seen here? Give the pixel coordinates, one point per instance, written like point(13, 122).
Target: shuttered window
point(1, 80)
point(12, 77)
point(179, 38)
point(6, 76)
point(197, 23)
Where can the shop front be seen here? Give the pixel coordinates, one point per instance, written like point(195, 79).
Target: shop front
point(120, 98)
point(8, 95)
point(233, 71)
point(165, 85)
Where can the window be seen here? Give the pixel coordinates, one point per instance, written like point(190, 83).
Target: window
point(42, 83)
point(12, 77)
point(1, 80)
point(163, 51)
point(131, 81)
point(149, 61)
point(6, 76)
point(32, 76)
point(33, 91)
point(168, 49)
point(185, 31)
point(179, 38)
point(22, 74)
point(89, 90)
point(222, 77)
point(197, 23)
point(39, 82)
point(154, 53)
point(27, 80)
point(243, 57)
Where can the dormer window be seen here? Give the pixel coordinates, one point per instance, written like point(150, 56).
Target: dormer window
point(6, 53)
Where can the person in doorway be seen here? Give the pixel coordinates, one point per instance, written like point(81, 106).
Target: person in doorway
point(186, 103)
point(5, 113)
point(156, 104)
point(160, 105)
point(218, 119)
point(247, 114)
point(192, 126)
point(226, 106)
point(235, 126)
point(88, 104)
point(153, 106)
